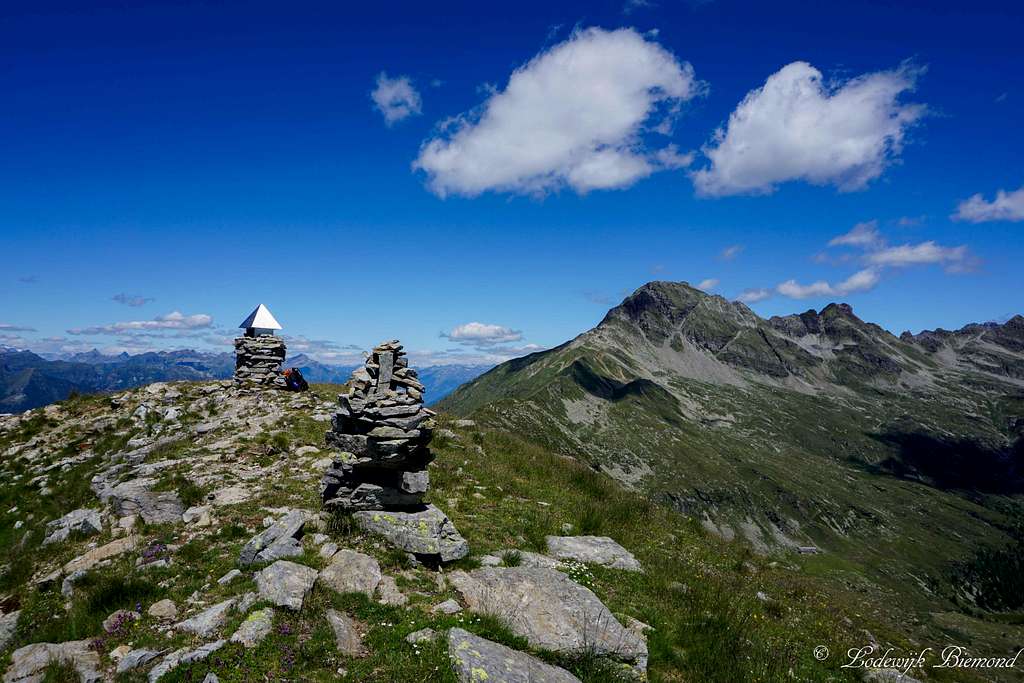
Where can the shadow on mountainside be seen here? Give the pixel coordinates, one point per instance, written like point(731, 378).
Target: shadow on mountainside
point(651, 396)
point(952, 463)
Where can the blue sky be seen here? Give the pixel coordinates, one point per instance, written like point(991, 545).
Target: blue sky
point(521, 168)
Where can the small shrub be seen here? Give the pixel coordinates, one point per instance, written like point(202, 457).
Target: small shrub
point(280, 441)
point(341, 525)
point(512, 558)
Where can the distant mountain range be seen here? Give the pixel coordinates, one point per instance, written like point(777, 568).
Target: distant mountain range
point(28, 380)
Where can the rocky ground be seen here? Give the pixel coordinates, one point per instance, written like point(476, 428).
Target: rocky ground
point(193, 509)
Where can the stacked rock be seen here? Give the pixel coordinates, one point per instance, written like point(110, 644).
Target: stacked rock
point(258, 360)
point(382, 424)
point(383, 432)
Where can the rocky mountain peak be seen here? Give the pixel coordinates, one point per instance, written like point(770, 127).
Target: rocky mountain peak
point(661, 309)
point(660, 299)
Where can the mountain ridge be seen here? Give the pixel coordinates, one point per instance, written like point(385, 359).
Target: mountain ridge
point(897, 456)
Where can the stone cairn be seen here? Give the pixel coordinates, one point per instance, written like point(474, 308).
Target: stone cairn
point(258, 360)
point(380, 476)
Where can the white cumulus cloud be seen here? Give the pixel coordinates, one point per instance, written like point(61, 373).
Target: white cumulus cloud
point(797, 127)
point(863, 235)
point(575, 115)
point(482, 334)
point(175, 321)
point(396, 98)
point(752, 296)
point(1007, 206)
point(861, 281)
point(708, 285)
point(956, 258)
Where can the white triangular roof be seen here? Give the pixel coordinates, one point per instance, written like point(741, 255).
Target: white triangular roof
point(262, 318)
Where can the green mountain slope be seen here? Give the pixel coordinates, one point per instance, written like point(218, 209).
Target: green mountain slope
point(899, 458)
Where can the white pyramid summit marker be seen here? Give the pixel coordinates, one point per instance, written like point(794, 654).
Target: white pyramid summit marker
point(262, 319)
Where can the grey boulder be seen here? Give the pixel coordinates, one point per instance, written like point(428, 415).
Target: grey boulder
point(550, 610)
point(135, 659)
point(427, 532)
point(83, 521)
point(388, 593)
point(209, 620)
point(593, 550)
point(424, 635)
point(286, 584)
point(476, 659)
point(351, 572)
point(134, 498)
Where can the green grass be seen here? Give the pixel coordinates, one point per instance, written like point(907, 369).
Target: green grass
point(97, 595)
point(696, 592)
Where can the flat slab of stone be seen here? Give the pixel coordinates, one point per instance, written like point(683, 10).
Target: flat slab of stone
point(96, 555)
point(278, 541)
point(351, 572)
point(255, 628)
point(136, 658)
point(286, 584)
point(477, 659)
point(531, 559)
point(346, 635)
point(231, 495)
point(208, 621)
point(427, 532)
point(593, 550)
point(550, 610)
point(28, 663)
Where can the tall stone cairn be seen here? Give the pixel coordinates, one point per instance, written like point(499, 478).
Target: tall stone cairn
point(383, 433)
point(382, 424)
point(258, 360)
